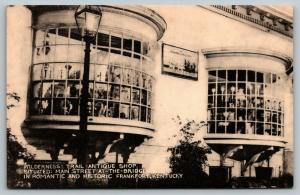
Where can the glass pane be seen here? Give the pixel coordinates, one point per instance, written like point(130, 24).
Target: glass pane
point(125, 94)
point(113, 109)
point(100, 108)
point(241, 128)
point(72, 106)
point(143, 114)
point(137, 46)
point(37, 72)
point(241, 75)
point(47, 71)
point(62, 37)
point(73, 89)
point(39, 38)
point(75, 36)
point(250, 88)
point(114, 92)
point(73, 71)
point(212, 75)
point(47, 90)
point(59, 106)
point(103, 39)
point(101, 73)
point(127, 44)
point(149, 116)
point(76, 53)
point(100, 91)
point(135, 112)
point(124, 111)
point(59, 89)
point(136, 96)
point(38, 56)
point(231, 75)
point(259, 77)
point(221, 76)
point(251, 76)
point(61, 53)
point(37, 89)
point(114, 74)
point(60, 71)
point(144, 97)
point(126, 78)
point(115, 42)
point(49, 52)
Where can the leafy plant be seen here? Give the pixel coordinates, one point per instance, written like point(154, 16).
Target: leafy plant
point(189, 155)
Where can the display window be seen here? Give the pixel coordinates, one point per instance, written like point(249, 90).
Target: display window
point(244, 102)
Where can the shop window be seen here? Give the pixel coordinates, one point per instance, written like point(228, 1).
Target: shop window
point(244, 102)
point(120, 84)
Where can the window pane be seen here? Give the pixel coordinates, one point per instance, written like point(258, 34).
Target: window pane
point(47, 90)
point(114, 92)
point(241, 75)
point(221, 76)
point(231, 75)
point(37, 72)
point(127, 44)
point(59, 89)
point(37, 89)
point(136, 96)
point(137, 46)
point(62, 37)
point(144, 97)
point(143, 114)
point(75, 36)
point(73, 89)
point(251, 76)
point(125, 94)
point(72, 106)
point(100, 91)
point(115, 42)
point(113, 109)
point(103, 39)
point(124, 111)
point(135, 112)
point(60, 71)
point(59, 106)
point(212, 75)
point(100, 108)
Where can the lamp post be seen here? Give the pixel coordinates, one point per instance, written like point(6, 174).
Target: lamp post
point(88, 21)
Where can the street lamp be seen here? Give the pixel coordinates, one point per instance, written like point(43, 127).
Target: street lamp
point(87, 19)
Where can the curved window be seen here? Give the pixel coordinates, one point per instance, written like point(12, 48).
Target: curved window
point(244, 102)
point(120, 81)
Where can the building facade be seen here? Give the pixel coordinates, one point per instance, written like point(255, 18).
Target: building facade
point(243, 86)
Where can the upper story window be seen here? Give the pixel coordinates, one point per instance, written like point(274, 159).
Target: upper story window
point(245, 102)
point(121, 82)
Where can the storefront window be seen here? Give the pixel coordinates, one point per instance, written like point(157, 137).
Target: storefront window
point(244, 102)
point(120, 81)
